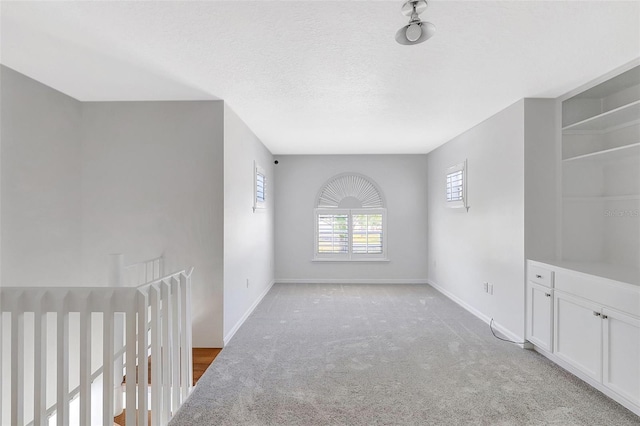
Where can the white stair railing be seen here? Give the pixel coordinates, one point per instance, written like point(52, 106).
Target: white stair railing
point(157, 322)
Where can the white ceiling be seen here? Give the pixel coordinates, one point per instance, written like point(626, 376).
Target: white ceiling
point(315, 77)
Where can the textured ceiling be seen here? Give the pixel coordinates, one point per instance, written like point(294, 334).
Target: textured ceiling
point(315, 77)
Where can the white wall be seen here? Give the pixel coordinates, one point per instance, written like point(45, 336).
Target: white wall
point(152, 182)
point(512, 151)
point(41, 209)
point(248, 235)
point(487, 242)
point(41, 169)
point(403, 181)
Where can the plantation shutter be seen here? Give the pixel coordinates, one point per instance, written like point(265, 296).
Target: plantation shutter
point(333, 233)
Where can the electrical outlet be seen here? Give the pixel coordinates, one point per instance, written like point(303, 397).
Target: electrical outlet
point(486, 287)
point(490, 289)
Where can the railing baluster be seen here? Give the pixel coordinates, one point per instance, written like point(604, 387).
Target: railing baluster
point(143, 378)
point(62, 414)
point(166, 351)
point(188, 331)
point(184, 351)
point(156, 358)
point(85, 365)
point(40, 363)
point(107, 362)
point(158, 313)
point(131, 365)
point(2, 336)
point(175, 344)
point(17, 368)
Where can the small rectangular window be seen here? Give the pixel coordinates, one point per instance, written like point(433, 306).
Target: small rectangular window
point(456, 191)
point(454, 186)
point(259, 188)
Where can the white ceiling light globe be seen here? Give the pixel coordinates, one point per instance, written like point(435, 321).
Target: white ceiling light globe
point(413, 32)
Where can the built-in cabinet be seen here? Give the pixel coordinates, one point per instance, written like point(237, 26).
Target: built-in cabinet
point(583, 305)
point(577, 333)
point(588, 324)
point(540, 307)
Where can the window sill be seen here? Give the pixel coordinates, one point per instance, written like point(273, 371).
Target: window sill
point(378, 259)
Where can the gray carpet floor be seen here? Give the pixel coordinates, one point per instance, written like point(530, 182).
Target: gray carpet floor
point(383, 355)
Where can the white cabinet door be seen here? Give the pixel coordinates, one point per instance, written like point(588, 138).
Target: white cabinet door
point(621, 368)
point(540, 315)
point(578, 333)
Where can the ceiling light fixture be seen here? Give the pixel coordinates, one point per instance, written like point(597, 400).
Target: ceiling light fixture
point(416, 31)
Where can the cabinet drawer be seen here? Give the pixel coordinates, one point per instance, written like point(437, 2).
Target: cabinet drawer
point(540, 275)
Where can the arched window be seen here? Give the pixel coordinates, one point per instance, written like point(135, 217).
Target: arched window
point(350, 220)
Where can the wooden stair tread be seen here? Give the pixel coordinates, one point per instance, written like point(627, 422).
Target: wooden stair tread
point(202, 359)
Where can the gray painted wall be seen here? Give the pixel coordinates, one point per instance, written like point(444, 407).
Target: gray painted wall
point(41, 170)
point(248, 235)
point(403, 181)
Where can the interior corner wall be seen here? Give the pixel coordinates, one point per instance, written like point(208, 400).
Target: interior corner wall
point(403, 181)
point(248, 234)
point(41, 169)
point(542, 169)
point(485, 243)
point(152, 184)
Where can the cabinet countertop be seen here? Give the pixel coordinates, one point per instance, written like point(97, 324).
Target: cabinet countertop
point(623, 274)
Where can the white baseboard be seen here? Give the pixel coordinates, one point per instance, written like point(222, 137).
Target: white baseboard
point(350, 281)
point(499, 328)
point(249, 311)
point(594, 383)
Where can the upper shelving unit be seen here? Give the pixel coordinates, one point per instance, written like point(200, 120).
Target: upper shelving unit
point(605, 106)
point(600, 187)
point(625, 115)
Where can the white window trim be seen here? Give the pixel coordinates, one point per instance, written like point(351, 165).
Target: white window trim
point(258, 204)
point(350, 256)
point(460, 167)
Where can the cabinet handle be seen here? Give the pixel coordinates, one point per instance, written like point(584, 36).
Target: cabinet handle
point(604, 317)
point(597, 314)
point(548, 294)
point(538, 276)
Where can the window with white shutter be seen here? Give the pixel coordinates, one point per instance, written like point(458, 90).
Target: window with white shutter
point(259, 187)
point(350, 220)
point(333, 233)
point(456, 180)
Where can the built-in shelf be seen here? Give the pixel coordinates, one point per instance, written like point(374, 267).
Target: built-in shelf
point(609, 154)
point(599, 196)
point(624, 115)
point(603, 198)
